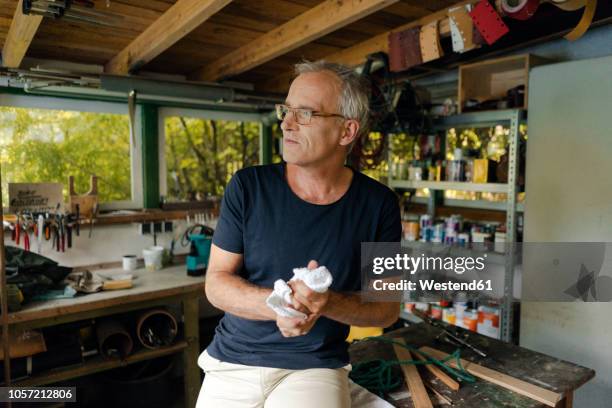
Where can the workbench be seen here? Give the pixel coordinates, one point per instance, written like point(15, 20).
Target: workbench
point(150, 289)
point(527, 365)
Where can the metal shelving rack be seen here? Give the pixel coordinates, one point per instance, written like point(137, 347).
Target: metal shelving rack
point(512, 118)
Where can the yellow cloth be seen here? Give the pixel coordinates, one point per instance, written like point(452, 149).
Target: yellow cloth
point(358, 333)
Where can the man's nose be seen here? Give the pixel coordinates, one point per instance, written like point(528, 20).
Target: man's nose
point(289, 123)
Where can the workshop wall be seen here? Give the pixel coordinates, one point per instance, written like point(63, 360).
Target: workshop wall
point(107, 244)
point(569, 196)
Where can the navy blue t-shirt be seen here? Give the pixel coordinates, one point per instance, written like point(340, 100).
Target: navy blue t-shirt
point(276, 231)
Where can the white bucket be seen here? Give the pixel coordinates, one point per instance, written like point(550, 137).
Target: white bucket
point(153, 257)
point(130, 262)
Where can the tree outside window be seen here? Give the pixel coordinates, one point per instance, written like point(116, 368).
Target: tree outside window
point(202, 155)
point(43, 145)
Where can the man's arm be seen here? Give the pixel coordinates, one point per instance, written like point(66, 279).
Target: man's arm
point(349, 309)
point(231, 293)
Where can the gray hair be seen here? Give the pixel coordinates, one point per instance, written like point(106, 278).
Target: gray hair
point(353, 102)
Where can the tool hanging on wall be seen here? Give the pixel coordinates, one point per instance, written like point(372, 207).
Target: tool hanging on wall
point(33, 226)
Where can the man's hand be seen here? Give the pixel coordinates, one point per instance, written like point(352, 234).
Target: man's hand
point(295, 326)
point(315, 302)
point(306, 301)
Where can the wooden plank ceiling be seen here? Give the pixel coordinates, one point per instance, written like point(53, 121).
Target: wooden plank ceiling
point(204, 33)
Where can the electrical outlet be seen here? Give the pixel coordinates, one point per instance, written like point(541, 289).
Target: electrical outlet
point(144, 228)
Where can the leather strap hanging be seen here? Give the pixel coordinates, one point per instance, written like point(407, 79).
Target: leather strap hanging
point(462, 29)
point(404, 49)
point(430, 42)
point(488, 22)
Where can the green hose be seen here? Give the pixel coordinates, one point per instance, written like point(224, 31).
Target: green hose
point(377, 375)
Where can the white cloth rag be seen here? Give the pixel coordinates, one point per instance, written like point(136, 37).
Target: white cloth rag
point(318, 279)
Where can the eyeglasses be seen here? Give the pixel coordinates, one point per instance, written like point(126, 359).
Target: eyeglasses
point(302, 116)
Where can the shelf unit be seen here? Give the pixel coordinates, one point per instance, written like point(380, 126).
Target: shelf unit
point(511, 118)
point(95, 365)
point(492, 256)
point(451, 185)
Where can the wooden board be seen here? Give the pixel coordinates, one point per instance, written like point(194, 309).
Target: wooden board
point(535, 392)
point(418, 393)
point(445, 378)
point(20, 35)
point(183, 17)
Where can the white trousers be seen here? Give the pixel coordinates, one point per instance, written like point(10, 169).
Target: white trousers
point(228, 385)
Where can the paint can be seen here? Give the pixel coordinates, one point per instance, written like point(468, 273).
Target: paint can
point(463, 239)
point(410, 230)
point(470, 320)
point(436, 312)
point(448, 315)
point(488, 321)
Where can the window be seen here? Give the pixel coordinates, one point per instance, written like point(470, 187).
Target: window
point(48, 139)
point(203, 149)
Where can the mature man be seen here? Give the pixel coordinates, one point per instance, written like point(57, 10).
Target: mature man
point(311, 209)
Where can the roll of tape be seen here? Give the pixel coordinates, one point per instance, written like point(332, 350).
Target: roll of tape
point(585, 21)
point(568, 5)
point(520, 9)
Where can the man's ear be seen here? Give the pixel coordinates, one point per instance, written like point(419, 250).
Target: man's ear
point(351, 130)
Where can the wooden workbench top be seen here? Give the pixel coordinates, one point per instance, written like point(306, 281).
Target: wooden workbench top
point(148, 285)
point(530, 366)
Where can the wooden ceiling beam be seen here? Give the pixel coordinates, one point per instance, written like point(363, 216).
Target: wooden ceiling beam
point(180, 19)
point(356, 55)
point(308, 26)
point(21, 32)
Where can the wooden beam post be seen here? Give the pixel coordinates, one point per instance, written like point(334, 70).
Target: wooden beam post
point(20, 35)
point(6, 348)
point(150, 156)
point(308, 26)
point(180, 19)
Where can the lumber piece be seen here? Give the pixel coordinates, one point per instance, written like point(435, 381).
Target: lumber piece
point(442, 376)
point(547, 397)
point(418, 393)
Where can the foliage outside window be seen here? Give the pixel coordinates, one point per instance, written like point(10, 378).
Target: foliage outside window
point(202, 155)
point(43, 145)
